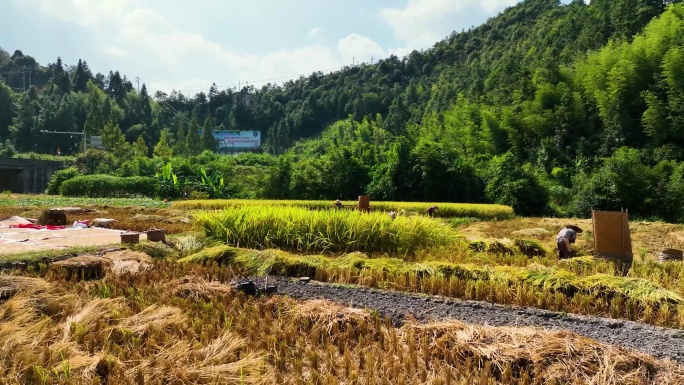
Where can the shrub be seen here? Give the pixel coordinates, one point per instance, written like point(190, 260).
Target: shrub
point(96, 161)
point(510, 184)
point(67, 159)
point(7, 150)
point(623, 181)
point(138, 166)
point(60, 177)
point(107, 186)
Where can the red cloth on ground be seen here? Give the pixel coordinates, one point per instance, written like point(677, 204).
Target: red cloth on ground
point(38, 227)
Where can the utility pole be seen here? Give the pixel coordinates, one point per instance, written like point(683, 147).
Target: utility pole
point(137, 79)
point(29, 71)
point(23, 72)
point(372, 60)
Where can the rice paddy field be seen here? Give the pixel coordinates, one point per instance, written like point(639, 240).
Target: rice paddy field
point(169, 313)
point(445, 210)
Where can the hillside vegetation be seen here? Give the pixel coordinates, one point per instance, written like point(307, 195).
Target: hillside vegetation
point(548, 108)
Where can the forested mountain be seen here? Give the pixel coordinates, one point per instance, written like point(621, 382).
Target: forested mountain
point(546, 107)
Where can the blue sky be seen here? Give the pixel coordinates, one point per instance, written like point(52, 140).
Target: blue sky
point(187, 45)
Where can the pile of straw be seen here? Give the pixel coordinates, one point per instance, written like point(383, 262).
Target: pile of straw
point(82, 267)
point(12, 284)
point(565, 356)
point(61, 346)
point(157, 317)
point(328, 316)
point(127, 261)
point(198, 288)
point(96, 266)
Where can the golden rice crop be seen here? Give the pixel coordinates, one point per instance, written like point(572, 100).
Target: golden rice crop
point(446, 210)
point(552, 288)
point(300, 229)
point(148, 332)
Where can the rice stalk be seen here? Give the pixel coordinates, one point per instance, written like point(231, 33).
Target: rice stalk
point(325, 231)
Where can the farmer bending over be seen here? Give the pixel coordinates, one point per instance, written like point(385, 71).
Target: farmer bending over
point(565, 237)
point(431, 211)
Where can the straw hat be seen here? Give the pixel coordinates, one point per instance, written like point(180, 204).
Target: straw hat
point(574, 227)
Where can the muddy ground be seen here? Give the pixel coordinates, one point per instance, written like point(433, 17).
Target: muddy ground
point(656, 341)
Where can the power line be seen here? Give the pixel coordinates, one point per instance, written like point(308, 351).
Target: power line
point(24, 70)
point(166, 104)
point(264, 80)
point(175, 111)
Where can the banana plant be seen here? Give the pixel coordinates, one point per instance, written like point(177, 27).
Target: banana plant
point(169, 185)
point(213, 184)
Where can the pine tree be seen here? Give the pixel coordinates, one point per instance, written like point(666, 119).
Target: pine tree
point(7, 110)
point(180, 148)
point(115, 86)
point(140, 148)
point(114, 140)
point(95, 121)
point(208, 139)
point(163, 147)
point(145, 105)
point(23, 123)
point(194, 142)
point(60, 78)
point(82, 76)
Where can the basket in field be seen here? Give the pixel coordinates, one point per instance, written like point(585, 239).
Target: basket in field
point(130, 238)
point(670, 255)
point(156, 235)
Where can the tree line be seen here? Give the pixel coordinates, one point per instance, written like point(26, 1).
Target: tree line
point(550, 108)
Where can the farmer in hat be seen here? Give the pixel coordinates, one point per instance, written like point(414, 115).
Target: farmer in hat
point(565, 237)
point(431, 210)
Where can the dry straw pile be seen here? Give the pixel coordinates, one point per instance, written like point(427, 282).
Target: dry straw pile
point(11, 284)
point(167, 325)
point(97, 266)
point(61, 338)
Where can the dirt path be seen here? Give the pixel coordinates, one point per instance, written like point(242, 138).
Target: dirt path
point(656, 341)
point(14, 241)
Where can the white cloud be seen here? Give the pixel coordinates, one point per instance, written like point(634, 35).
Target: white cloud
point(141, 41)
point(315, 32)
point(359, 49)
point(86, 13)
point(115, 51)
point(423, 22)
point(167, 57)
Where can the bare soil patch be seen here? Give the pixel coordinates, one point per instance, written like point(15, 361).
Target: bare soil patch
point(14, 241)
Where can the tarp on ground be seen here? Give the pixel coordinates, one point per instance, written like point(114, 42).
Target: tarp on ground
point(15, 220)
